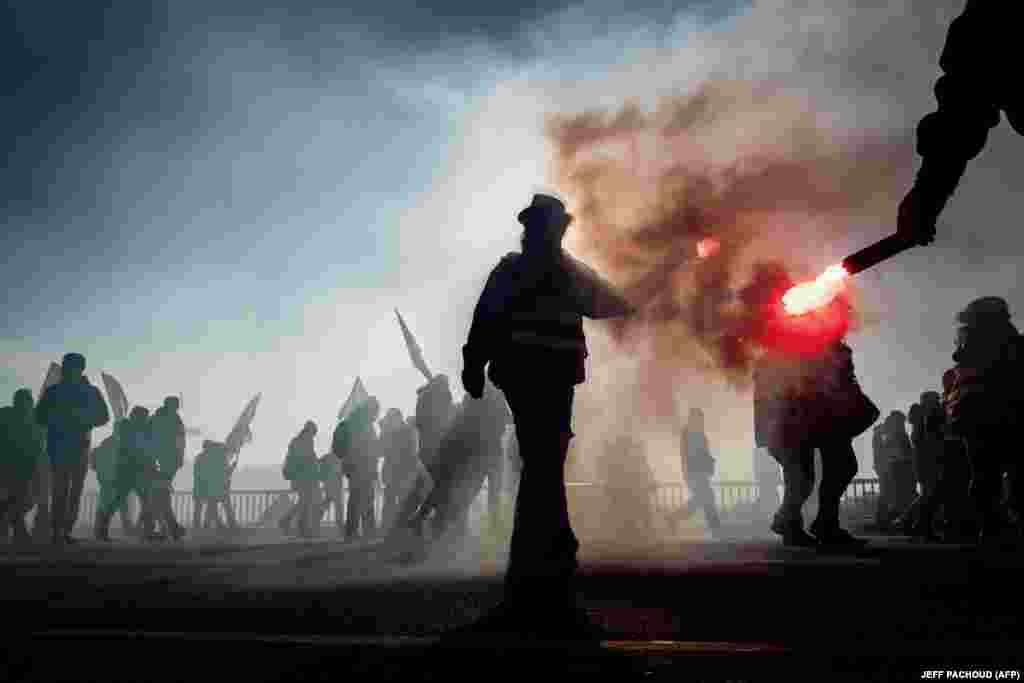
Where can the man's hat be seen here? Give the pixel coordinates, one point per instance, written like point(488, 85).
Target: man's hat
point(543, 210)
point(73, 360)
point(987, 309)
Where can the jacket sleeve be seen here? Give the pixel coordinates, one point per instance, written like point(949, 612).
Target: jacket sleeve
point(968, 95)
point(101, 414)
point(483, 330)
point(596, 298)
point(44, 408)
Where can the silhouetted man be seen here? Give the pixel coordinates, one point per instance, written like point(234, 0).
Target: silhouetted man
point(435, 410)
point(355, 443)
point(302, 468)
point(698, 468)
point(897, 454)
point(927, 435)
point(401, 466)
point(69, 410)
point(21, 442)
point(979, 65)
point(803, 403)
point(984, 404)
point(168, 433)
point(104, 464)
point(528, 326)
point(136, 467)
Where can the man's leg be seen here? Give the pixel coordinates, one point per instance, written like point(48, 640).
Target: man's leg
point(986, 482)
point(197, 512)
point(79, 470)
point(229, 513)
point(707, 498)
point(839, 467)
point(42, 492)
point(798, 481)
point(542, 556)
point(61, 482)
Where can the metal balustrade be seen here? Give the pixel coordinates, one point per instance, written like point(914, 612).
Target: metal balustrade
point(735, 499)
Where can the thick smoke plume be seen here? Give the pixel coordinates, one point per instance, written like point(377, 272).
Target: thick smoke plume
point(743, 162)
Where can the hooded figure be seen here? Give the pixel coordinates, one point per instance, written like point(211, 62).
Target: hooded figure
point(21, 444)
point(69, 410)
point(984, 404)
point(803, 403)
point(168, 438)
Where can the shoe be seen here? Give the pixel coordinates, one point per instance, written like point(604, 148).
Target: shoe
point(798, 538)
point(839, 537)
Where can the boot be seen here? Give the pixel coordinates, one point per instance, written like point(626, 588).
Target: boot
point(793, 534)
point(103, 526)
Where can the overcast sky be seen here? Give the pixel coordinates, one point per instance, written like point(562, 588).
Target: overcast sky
point(217, 198)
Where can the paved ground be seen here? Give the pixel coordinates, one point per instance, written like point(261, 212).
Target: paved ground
point(269, 608)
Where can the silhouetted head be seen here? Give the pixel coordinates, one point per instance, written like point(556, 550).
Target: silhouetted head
point(544, 222)
point(22, 401)
point(930, 398)
point(984, 311)
point(896, 417)
point(72, 366)
point(309, 429)
point(172, 403)
point(139, 414)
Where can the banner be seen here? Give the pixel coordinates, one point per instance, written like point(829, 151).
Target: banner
point(415, 352)
point(241, 433)
point(53, 375)
point(356, 397)
point(116, 396)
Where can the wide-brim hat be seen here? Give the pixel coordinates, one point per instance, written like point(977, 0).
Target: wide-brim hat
point(985, 309)
point(543, 210)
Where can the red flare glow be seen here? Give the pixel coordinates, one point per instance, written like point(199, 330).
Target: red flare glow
point(808, 296)
point(707, 247)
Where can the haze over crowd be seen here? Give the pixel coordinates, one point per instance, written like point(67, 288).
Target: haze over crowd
point(220, 199)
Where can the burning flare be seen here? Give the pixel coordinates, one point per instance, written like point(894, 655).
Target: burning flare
point(808, 296)
point(707, 247)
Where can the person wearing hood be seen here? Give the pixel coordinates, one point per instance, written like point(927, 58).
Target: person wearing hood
point(21, 443)
point(69, 410)
point(984, 406)
point(527, 336)
point(168, 432)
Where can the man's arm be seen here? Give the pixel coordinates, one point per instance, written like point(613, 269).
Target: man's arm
point(44, 408)
point(101, 414)
point(477, 350)
point(597, 299)
point(948, 138)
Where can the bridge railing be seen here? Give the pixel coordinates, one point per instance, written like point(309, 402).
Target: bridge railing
point(735, 499)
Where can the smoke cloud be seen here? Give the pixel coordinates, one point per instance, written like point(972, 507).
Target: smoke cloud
point(757, 147)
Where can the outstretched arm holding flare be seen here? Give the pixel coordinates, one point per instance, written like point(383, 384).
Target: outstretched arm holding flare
point(978, 82)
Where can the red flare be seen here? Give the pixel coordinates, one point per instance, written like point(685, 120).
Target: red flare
point(808, 296)
point(708, 247)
